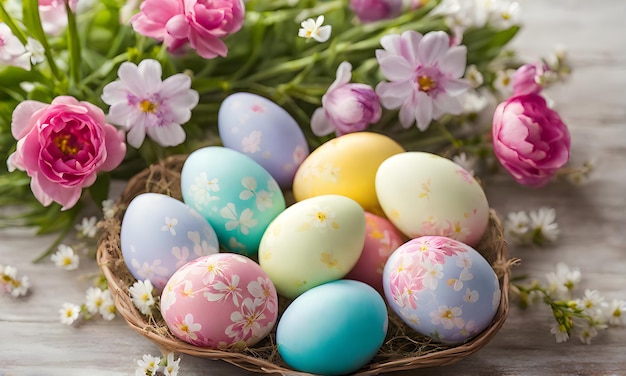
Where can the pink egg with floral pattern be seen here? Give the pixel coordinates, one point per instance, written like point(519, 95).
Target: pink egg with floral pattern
point(381, 239)
point(220, 301)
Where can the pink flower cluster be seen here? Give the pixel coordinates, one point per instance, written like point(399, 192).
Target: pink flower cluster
point(199, 23)
point(529, 139)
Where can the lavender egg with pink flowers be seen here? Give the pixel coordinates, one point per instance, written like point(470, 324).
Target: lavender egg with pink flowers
point(441, 288)
point(265, 132)
point(159, 234)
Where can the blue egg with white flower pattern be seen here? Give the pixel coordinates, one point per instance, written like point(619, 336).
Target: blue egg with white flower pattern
point(442, 288)
point(159, 234)
point(264, 131)
point(333, 329)
point(235, 194)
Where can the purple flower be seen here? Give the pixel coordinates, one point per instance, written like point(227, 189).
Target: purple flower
point(425, 74)
point(346, 107)
point(375, 10)
point(529, 139)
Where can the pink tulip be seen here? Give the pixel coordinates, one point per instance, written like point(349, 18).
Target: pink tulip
point(375, 10)
point(528, 79)
point(62, 146)
point(200, 23)
point(529, 139)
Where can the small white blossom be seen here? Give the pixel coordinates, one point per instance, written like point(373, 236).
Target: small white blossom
point(313, 29)
point(474, 76)
point(517, 224)
point(564, 280)
point(148, 365)
point(503, 84)
point(65, 258)
point(171, 366)
point(543, 222)
point(69, 313)
point(107, 309)
point(94, 299)
point(615, 312)
point(108, 209)
point(87, 227)
point(10, 283)
point(591, 303)
point(587, 333)
point(35, 50)
point(141, 295)
point(560, 333)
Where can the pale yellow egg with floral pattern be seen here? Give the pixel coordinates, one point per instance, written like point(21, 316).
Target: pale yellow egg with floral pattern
point(426, 194)
point(346, 166)
point(312, 242)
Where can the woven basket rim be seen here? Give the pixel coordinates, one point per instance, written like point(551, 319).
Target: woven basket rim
point(110, 262)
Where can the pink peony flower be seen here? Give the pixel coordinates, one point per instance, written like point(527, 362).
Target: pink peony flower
point(62, 146)
point(528, 78)
point(529, 139)
point(425, 74)
point(201, 23)
point(346, 107)
point(375, 10)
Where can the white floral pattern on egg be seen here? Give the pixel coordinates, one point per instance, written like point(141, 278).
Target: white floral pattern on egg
point(264, 131)
point(159, 234)
point(442, 288)
point(426, 194)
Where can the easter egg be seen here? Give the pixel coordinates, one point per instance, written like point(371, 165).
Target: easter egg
point(425, 194)
point(381, 239)
point(442, 288)
point(218, 301)
point(312, 242)
point(346, 166)
point(159, 234)
point(264, 131)
point(333, 329)
point(237, 196)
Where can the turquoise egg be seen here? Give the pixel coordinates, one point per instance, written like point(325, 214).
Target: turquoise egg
point(236, 195)
point(264, 131)
point(333, 329)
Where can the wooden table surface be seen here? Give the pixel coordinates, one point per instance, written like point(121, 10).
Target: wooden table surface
point(592, 219)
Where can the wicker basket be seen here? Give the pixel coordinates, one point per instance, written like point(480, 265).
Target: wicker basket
point(403, 348)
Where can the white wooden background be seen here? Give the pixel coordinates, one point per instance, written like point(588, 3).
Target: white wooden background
point(592, 219)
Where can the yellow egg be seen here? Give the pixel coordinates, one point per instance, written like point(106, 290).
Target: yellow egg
point(312, 242)
point(346, 166)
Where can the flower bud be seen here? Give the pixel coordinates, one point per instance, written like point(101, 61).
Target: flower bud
point(376, 10)
point(352, 107)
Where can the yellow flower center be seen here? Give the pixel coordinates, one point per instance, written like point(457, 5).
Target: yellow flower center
point(147, 106)
point(448, 314)
point(426, 83)
point(65, 144)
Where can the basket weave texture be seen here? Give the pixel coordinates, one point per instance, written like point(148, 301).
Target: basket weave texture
point(403, 348)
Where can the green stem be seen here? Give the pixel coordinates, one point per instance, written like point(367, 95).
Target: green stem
point(54, 244)
point(73, 43)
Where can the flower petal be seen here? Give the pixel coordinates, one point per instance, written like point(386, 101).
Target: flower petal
point(407, 112)
point(320, 124)
point(423, 111)
point(432, 47)
point(395, 68)
point(150, 71)
point(22, 119)
point(454, 61)
point(344, 75)
point(393, 94)
point(171, 135)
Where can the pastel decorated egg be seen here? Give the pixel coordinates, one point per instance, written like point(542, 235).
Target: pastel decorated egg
point(159, 234)
point(219, 301)
point(237, 196)
point(442, 288)
point(265, 132)
point(425, 194)
point(333, 329)
point(312, 242)
point(381, 239)
point(346, 166)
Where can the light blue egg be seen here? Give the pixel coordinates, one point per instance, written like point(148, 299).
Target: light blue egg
point(333, 329)
point(265, 132)
point(442, 288)
point(236, 195)
point(159, 234)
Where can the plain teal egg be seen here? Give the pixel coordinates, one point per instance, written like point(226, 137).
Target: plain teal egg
point(333, 329)
point(235, 194)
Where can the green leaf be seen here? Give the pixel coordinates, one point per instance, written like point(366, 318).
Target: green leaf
point(73, 43)
point(99, 191)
